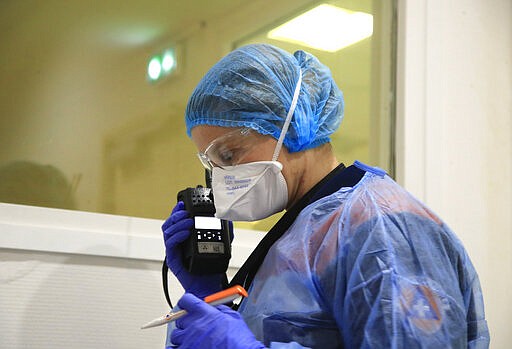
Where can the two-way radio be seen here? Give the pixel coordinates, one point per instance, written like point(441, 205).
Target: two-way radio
point(208, 248)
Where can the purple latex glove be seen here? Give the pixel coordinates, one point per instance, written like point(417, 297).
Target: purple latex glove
point(176, 229)
point(206, 326)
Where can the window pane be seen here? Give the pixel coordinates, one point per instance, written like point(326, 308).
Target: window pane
point(83, 128)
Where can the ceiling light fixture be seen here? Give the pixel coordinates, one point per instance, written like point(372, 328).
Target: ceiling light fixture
point(325, 27)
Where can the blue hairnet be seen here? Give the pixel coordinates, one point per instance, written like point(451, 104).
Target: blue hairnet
point(253, 87)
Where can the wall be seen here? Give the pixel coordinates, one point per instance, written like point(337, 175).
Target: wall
point(83, 280)
point(51, 300)
point(455, 127)
point(75, 279)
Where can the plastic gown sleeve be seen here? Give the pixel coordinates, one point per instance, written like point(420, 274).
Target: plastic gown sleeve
point(368, 267)
point(401, 289)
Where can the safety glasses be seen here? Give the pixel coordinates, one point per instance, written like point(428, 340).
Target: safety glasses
point(229, 149)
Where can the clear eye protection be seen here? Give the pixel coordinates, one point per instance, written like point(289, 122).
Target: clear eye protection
point(229, 149)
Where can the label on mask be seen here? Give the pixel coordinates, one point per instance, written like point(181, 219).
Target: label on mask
point(233, 184)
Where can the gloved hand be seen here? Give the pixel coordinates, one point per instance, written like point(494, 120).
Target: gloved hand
point(176, 229)
point(206, 326)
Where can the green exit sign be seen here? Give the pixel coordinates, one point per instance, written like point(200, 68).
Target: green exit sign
point(162, 65)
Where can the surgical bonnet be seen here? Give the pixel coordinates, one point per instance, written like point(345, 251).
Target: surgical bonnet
point(253, 86)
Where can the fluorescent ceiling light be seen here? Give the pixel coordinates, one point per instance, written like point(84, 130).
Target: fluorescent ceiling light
point(326, 27)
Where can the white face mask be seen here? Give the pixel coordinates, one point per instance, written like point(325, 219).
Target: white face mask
point(255, 190)
point(249, 192)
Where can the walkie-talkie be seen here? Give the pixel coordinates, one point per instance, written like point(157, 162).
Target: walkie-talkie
point(208, 248)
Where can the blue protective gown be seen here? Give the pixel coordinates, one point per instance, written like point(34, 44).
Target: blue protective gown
point(369, 266)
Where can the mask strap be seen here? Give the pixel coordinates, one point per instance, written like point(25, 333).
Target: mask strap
point(288, 118)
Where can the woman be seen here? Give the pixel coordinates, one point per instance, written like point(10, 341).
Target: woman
point(361, 262)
